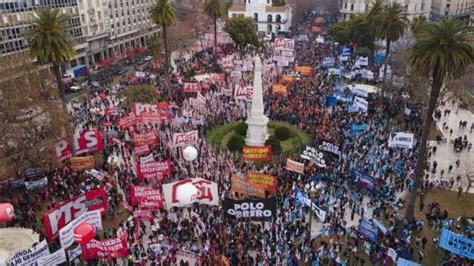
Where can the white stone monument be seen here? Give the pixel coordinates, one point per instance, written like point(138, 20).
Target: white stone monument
point(257, 132)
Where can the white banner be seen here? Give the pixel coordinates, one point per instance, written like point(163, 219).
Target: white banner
point(185, 138)
point(284, 44)
point(75, 253)
point(401, 140)
point(207, 193)
point(66, 234)
point(243, 92)
point(56, 258)
point(43, 182)
point(360, 91)
point(29, 256)
point(361, 104)
point(147, 159)
point(321, 214)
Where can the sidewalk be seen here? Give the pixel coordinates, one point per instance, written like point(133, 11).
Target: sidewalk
point(445, 154)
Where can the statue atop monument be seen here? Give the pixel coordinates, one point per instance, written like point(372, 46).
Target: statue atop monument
point(257, 132)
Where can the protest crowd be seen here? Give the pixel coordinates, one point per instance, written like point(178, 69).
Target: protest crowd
point(350, 180)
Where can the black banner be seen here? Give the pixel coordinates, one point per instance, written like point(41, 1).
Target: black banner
point(316, 156)
point(333, 149)
point(257, 210)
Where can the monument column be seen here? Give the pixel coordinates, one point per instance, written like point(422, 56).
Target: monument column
point(257, 132)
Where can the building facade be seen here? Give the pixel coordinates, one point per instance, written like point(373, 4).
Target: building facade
point(267, 17)
point(414, 8)
point(100, 29)
point(460, 9)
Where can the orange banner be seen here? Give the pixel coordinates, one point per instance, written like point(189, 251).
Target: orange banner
point(268, 182)
point(257, 153)
point(241, 185)
point(280, 89)
point(316, 29)
point(289, 79)
point(304, 70)
point(82, 163)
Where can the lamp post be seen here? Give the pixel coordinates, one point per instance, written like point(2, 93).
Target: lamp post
point(310, 191)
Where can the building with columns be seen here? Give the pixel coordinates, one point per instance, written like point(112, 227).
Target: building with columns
point(267, 17)
point(414, 8)
point(100, 29)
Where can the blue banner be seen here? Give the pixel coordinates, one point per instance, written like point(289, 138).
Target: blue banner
point(456, 244)
point(358, 127)
point(331, 101)
point(405, 262)
point(368, 230)
point(363, 179)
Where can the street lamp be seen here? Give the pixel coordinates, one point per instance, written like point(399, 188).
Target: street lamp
point(311, 191)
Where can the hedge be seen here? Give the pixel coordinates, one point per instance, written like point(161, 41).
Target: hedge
point(235, 143)
point(283, 133)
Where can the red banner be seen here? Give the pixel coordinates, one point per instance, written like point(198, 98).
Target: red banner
point(152, 118)
point(257, 153)
point(149, 138)
point(139, 194)
point(191, 87)
point(142, 150)
point(63, 150)
point(142, 215)
point(105, 249)
point(268, 182)
point(154, 169)
point(88, 141)
point(128, 121)
point(185, 138)
point(111, 111)
point(58, 217)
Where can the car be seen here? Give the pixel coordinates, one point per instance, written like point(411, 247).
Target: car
point(148, 58)
point(75, 88)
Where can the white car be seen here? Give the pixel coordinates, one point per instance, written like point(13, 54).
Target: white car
point(75, 88)
point(148, 58)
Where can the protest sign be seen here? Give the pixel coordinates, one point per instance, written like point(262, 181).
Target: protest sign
point(294, 166)
point(280, 89)
point(320, 213)
point(457, 244)
point(66, 234)
point(142, 215)
point(82, 163)
point(360, 104)
point(392, 254)
point(154, 169)
point(140, 194)
point(148, 138)
point(243, 92)
point(185, 138)
point(304, 70)
point(314, 155)
point(63, 150)
point(105, 249)
point(329, 147)
point(142, 150)
point(405, 262)
point(56, 258)
point(257, 153)
point(363, 179)
point(128, 121)
point(41, 183)
point(29, 256)
point(401, 140)
point(359, 127)
point(331, 101)
point(288, 79)
point(242, 186)
point(256, 210)
point(88, 141)
point(207, 192)
point(284, 44)
point(58, 217)
point(191, 87)
point(268, 182)
point(74, 253)
point(368, 230)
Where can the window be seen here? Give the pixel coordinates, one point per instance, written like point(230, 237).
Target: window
point(255, 16)
point(269, 18)
point(278, 19)
point(352, 7)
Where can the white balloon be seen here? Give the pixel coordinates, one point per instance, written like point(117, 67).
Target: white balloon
point(190, 153)
point(186, 194)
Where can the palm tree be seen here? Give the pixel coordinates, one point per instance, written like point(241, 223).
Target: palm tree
point(416, 23)
point(392, 27)
point(153, 45)
point(374, 17)
point(215, 10)
point(442, 50)
point(50, 41)
point(163, 14)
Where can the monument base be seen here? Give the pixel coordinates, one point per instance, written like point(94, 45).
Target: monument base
point(257, 132)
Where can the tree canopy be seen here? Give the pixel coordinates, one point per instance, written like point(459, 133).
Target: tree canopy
point(357, 30)
point(242, 31)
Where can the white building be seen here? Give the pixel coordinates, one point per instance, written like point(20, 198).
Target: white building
point(267, 18)
point(100, 28)
point(414, 8)
point(460, 9)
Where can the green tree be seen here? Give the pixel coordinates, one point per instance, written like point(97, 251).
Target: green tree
point(442, 50)
point(393, 25)
point(417, 23)
point(163, 14)
point(242, 31)
point(215, 10)
point(278, 2)
point(153, 45)
point(361, 31)
point(340, 31)
point(375, 16)
point(51, 42)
